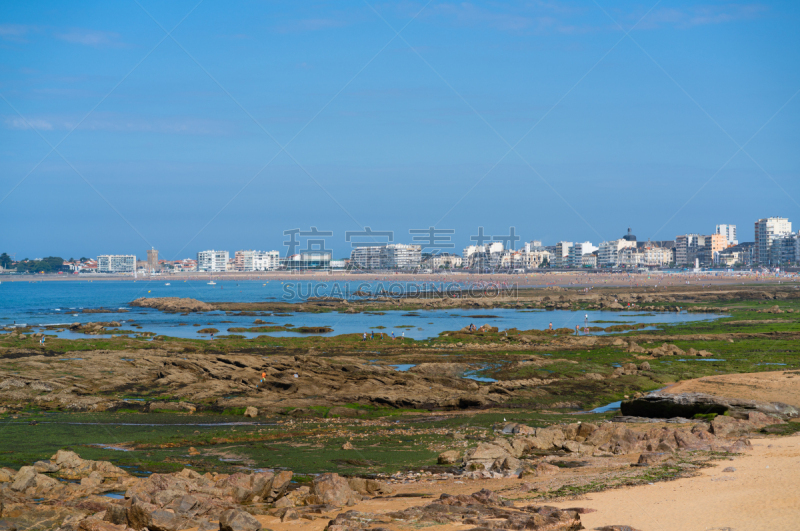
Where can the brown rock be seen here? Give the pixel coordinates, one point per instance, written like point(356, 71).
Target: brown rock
point(332, 489)
point(450, 457)
point(237, 520)
point(26, 477)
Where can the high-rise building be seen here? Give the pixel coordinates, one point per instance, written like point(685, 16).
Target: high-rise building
point(116, 263)
point(577, 251)
point(729, 231)
point(366, 257)
point(608, 252)
point(401, 256)
point(713, 245)
point(686, 248)
point(256, 260)
point(766, 231)
point(212, 261)
point(561, 257)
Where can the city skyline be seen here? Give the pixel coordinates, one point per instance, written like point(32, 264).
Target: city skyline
point(551, 118)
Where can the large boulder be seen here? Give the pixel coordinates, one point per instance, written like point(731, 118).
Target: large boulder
point(450, 457)
point(547, 438)
point(332, 489)
point(236, 520)
point(26, 477)
point(369, 487)
point(484, 456)
point(67, 459)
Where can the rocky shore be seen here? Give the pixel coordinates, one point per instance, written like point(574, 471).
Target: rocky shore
point(651, 299)
point(72, 494)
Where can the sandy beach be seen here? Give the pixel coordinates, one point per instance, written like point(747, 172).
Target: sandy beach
point(761, 494)
point(534, 279)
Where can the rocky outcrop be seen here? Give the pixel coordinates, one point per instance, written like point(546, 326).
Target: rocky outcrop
point(332, 489)
point(173, 304)
point(482, 510)
point(687, 405)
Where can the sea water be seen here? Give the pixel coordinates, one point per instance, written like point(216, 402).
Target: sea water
point(61, 302)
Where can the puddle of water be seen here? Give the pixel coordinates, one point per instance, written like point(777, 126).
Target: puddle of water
point(112, 447)
point(69, 359)
point(703, 359)
point(403, 367)
point(759, 364)
point(613, 406)
point(469, 376)
point(115, 495)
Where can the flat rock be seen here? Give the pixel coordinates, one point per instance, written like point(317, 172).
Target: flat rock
point(665, 405)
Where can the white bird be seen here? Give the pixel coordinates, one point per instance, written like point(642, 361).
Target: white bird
point(504, 419)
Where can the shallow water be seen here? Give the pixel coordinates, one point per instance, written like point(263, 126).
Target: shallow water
point(53, 303)
point(613, 406)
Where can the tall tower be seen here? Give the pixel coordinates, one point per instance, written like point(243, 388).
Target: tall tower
point(152, 261)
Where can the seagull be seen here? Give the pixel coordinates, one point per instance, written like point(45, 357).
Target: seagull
point(504, 419)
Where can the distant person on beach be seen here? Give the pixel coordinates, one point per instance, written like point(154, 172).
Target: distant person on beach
point(392, 335)
point(551, 326)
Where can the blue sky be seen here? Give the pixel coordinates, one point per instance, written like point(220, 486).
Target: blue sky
point(540, 115)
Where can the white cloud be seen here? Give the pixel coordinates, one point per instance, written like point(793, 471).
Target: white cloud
point(114, 123)
point(311, 24)
point(98, 39)
point(701, 15)
point(15, 122)
point(15, 32)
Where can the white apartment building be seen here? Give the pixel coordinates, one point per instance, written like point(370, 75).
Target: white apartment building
point(116, 263)
point(257, 260)
point(785, 249)
point(729, 231)
point(577, 251)
point(367, 257)
point(608, 252)
point(766, 231)
point(489, 255)
point(212, 261)
point(401, 256)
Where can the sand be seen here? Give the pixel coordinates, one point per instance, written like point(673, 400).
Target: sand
point(773, 386)
point(762, 494)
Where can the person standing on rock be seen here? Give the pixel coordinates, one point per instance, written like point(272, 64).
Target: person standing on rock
point(392, 335)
